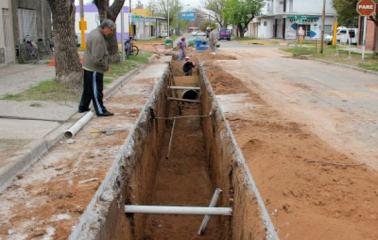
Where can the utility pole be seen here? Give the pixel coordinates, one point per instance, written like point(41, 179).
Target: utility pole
point(323, 23)
point(122, 34)
point(168, 18)
point(130, 21)
point(82, 25)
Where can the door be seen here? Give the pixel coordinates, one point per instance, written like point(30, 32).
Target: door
point(27, 23)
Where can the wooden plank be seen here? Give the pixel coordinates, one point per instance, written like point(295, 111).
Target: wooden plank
point(186, 81)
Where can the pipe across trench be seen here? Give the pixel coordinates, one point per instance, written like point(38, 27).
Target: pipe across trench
point(183, 179)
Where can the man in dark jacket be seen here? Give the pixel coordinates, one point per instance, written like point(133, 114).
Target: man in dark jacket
point(96, 62)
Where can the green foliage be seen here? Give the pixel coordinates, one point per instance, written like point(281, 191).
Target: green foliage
point(346, 11)
point(206, 24)
point(241, 12)
point(49, 90)
point(161, 8)
point(217, 7)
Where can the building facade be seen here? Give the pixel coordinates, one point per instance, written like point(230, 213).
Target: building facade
point(282, 18)
point(371, 33)
point(143, 26)
point(19, 18)
point(7, 46)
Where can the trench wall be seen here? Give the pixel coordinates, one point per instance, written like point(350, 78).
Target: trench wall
point(228, 171)
point(131, 178)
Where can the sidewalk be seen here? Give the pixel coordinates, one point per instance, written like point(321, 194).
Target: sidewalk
point(29, 128)
point(16, 78)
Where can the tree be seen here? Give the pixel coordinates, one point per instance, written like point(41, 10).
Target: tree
point(241, 12)
point(217, 6)
point(161, 7)
point(107, 11)
point(68, 68)
point(347, 15)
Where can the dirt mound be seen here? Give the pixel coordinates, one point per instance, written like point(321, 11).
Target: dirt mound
point(310, 189)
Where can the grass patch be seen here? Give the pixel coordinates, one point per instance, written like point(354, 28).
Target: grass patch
point(50, 90)
point(335, 55)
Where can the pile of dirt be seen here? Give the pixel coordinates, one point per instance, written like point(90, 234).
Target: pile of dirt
point(309, 188)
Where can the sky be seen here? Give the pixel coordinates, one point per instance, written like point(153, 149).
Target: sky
point(186, 3)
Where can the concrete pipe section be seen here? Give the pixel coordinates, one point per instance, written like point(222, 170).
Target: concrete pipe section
point(148, 195)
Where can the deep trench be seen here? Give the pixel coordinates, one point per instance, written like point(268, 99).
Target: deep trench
point(204, 156)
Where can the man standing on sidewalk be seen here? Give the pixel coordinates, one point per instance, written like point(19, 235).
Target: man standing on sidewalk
point(96, 62)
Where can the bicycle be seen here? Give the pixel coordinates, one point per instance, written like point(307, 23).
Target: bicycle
point(130, 48)
point(28, 51)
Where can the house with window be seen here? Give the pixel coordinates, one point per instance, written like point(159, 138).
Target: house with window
point(281, 19)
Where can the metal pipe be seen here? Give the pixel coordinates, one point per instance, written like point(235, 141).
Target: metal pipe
point(171, 138)
point(72, 131)
point(122, 34)
point(206, 219)
point(179, 210)
point(323, 23)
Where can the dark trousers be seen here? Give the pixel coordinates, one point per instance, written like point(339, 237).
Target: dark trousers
point(92, 90)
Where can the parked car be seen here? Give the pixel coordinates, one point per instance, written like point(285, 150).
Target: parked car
point(344, 35)
point(225, 34)
point(163, 34)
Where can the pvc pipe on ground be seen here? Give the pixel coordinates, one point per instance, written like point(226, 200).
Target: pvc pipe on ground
point(72, 131)
point(206, 219)
point(178, 210)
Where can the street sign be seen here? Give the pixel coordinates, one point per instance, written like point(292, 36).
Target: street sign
point(188, 16)
point(366, 7)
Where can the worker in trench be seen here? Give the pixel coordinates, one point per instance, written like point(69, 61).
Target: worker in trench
point(188, 66)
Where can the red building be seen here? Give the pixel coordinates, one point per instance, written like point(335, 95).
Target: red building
point(371, 33)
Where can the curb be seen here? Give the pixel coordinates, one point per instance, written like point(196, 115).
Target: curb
point(38, 148)
point(344, 65)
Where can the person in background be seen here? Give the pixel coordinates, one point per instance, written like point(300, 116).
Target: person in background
point(301, 35)
point(213, 39)
point(181, 47)
point(96, 62)
point(188, 66)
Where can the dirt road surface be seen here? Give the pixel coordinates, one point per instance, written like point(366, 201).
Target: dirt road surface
point(307, 132)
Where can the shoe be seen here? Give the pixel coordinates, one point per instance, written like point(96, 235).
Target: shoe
point(105, 114)
point(84, 110)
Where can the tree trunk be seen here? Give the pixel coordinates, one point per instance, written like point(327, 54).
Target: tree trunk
point(68, 68)
point(241, 31)
point(111, 13)
point(376, 41)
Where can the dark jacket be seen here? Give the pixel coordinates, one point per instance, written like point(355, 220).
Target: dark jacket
point(96, 57)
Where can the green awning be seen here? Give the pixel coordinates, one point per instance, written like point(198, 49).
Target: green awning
point(303, 19)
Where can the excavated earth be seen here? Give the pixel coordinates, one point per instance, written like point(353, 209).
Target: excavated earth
point(311, 190)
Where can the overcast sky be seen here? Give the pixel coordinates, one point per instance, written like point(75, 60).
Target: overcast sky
point(186, 3)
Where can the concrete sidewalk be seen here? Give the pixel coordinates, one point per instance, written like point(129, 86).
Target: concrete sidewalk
point(29, 128)
point(16, 78)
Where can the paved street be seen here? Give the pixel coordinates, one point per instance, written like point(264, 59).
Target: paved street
point(337, 103)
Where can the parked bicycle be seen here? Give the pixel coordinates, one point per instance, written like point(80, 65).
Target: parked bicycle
point(28, 51)
point(130, 48)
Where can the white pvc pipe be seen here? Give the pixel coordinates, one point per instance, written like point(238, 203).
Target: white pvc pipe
point(71, 132)
point(173, 210)
point(206, 219)
point(171, 138)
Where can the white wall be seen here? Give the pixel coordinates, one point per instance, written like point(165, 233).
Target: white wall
point(9, 50)
point(266, 31)
point(312, 6)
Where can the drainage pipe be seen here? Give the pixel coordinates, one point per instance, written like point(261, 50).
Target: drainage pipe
point(206, 219)
point(71, 132)
point(178, 210)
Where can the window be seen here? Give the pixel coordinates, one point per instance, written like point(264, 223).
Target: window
point(265, 23)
